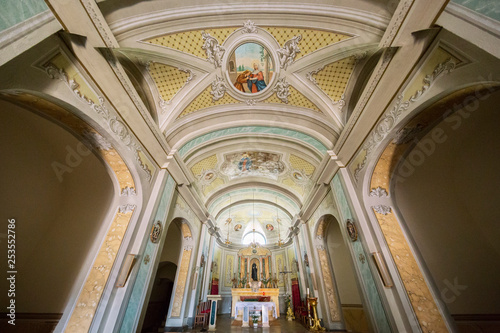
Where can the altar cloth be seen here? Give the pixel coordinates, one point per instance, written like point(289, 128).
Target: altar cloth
point(256, 306)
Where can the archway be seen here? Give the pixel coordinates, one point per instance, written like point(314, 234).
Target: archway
point(59, 216)
point(424, 162)
point(163, 284)
point(346, 279)
point(446, 200)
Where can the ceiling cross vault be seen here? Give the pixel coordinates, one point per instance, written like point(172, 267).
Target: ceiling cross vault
point(250, 105)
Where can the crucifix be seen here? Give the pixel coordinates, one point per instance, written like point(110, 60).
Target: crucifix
point(285, 281)
point(289, 312)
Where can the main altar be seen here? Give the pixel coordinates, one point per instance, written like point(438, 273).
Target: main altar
point(265, 295)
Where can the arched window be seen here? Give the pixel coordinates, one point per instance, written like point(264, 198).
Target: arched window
point(249, 237)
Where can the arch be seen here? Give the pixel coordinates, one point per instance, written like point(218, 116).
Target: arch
point(389, 170)
point(103, 257)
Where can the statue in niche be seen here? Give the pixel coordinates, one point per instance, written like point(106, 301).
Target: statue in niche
point(254, 272)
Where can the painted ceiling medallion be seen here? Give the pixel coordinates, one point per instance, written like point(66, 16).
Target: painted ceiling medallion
point(255, 164)
point(155, 232)
point(250, 68)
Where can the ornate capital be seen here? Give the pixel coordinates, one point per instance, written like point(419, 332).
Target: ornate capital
point(381, 209)
point(124, 209)
point(379, 192)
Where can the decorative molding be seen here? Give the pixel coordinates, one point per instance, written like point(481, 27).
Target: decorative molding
point(251, 102)
point(188, 238)
point(408, 134)
point(310, 76)
point(379, 192)
point(359, 56)
point(155, 234)
point(163, 104)
point(386, 58)
point(320, 247)
point(128, 191)
point(218, 88)
point(382, 209)
point(97, 140)
point(396, 24)
point(115, 125)
point(214, 51)
point(146, 259)
point(249, 27)
point(319, 237)
point(289, 51)
point(282, 90)
point(389, 120)
point(124, 209)
point(188, 248)
point(362, 258)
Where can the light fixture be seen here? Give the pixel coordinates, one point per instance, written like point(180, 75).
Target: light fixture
point(278, 220)
point(254, 244)
point(228, 222)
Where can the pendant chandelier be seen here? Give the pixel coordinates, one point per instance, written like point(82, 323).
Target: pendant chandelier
point(254, 244)
point(228, 222)
point(278, 220)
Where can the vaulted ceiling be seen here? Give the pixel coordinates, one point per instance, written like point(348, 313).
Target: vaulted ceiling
point(251, 156)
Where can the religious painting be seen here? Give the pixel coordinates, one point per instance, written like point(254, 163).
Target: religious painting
point(269, 227)
point(351, 230)
point(254, 68)
point(250, 163)
point(280, 266)
point(292, 263)
point(229, 271)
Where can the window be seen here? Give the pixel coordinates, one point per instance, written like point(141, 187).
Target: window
point(249, 237)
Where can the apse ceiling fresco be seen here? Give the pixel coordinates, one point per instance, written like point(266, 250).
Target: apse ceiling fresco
point(250, 108)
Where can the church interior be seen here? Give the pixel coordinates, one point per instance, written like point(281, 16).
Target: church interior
point(172, 166)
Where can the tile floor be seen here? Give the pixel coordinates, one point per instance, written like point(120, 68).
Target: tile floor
point(281, 325)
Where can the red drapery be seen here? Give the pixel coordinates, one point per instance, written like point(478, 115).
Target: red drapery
point(215, 287)
point(295, 294)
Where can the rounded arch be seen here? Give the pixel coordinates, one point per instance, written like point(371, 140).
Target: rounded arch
point(77, 154)
point(419, 140)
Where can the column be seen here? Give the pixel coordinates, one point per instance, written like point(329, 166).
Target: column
point(213, 311)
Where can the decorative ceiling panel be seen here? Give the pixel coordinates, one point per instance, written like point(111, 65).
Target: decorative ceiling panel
point(333, 78)
point(252, 130)
point(295, 99)
point(300, 164)
point(312, 40)
point(169, 80)
point(192, 41)
point(205, 100)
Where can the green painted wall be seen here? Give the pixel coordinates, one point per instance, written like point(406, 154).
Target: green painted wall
point(13, 12)
point(490, 8)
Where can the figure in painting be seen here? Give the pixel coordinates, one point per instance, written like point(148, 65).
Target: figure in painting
point(256, 81)
point(245, 162)
point(242, 78)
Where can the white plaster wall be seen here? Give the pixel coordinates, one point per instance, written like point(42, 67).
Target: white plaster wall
point(56, 222)
point(451, 207)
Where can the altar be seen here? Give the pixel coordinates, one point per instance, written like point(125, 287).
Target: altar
point(270, 294)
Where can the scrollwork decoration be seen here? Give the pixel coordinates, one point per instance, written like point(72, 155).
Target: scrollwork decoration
point(289, 51)
point(214, 51)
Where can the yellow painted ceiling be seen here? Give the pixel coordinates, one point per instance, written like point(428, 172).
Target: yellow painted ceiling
point(169, 80)
point(333, 78)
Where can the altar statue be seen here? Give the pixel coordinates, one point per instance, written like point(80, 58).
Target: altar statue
point(254, 272)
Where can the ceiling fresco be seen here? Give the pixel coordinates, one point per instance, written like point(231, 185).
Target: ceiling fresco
point(215, 171)
point(250, 108)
